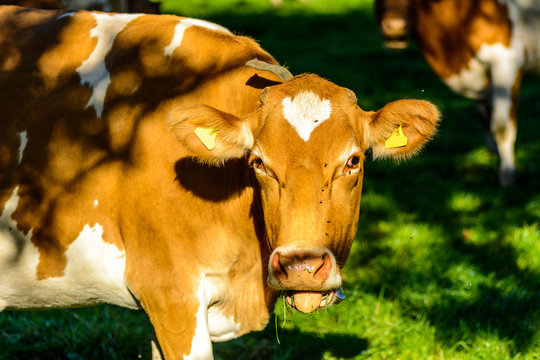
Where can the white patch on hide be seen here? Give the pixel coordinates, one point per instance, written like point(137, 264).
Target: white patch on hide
point(221, 327)
point(305, 112)
point(212, 325)
point(201, 345)
point(93, 70)
point(23, 137)
point(94, 273)
point(472, 81)
point(181, 27)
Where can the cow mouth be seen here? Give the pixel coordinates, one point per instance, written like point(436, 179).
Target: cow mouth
point(396, 43)
point(309, 301)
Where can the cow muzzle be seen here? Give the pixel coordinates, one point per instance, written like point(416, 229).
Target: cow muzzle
point(395, 32)
point(309, 278)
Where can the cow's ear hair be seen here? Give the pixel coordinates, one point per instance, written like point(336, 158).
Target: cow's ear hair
point(401, 128)
point(210, 135)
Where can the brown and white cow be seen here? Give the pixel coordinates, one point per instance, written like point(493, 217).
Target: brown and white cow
point(143, 164)
point(478, 48)
point(130, 6)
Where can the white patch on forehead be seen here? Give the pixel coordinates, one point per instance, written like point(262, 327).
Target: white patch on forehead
point(181, 27)
point(93, 70)
point(23, 137)
point(96, 203)
point(305, 112)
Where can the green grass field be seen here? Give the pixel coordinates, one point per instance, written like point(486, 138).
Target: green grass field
point(446, 264)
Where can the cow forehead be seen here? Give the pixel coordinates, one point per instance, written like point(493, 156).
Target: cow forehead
point(305, 112)
point(308, 126)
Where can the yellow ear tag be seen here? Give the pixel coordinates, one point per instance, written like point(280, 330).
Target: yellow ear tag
point(207, 137)
point(397, 139)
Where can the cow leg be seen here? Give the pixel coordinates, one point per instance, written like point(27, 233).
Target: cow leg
point(178, 311)
point(505, 81)
point(181, 325)
point(485, 110)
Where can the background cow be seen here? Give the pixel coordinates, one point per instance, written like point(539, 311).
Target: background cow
point(143, 164)
point(478, 48)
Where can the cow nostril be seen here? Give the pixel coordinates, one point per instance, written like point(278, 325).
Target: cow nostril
point(323, 272)
point(277, 267)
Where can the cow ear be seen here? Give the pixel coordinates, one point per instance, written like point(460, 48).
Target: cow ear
point(211, 135)
point(401, 128)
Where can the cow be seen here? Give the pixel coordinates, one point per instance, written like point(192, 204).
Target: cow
point(130, 6)
point(480, 49)
point(162, 163)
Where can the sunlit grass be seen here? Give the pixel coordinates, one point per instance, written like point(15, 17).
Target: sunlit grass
point(205, 8)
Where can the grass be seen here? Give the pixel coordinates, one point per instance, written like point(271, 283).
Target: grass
point(446, 264)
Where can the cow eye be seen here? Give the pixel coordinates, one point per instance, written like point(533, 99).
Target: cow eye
point(257, 163)
point(353, 163)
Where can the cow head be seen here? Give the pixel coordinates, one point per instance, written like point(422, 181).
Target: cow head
point(306, 143)
point(394, 17)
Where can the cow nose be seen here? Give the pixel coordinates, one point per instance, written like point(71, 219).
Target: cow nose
point(301, 271)
point(394, 27)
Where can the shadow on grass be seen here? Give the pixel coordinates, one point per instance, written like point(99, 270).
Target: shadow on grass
point(293, 344)
point(506, 301)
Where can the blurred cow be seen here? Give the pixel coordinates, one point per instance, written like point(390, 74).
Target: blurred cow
point(478, 48)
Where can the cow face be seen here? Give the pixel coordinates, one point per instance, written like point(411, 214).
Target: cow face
point(306, 144)
point(394, 17)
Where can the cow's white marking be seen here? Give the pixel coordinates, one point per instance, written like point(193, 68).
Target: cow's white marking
point(212, 325)
point(181, 27)
point(471, 81)
point(23, 137)
point(96, 203)
point(305, 112)
point(221, 327)
point(201, 346)
point(505, 64)
point(93, 70)
point(94, 272)
point(156, 353)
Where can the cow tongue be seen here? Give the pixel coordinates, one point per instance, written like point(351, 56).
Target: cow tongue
point(305, 301)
